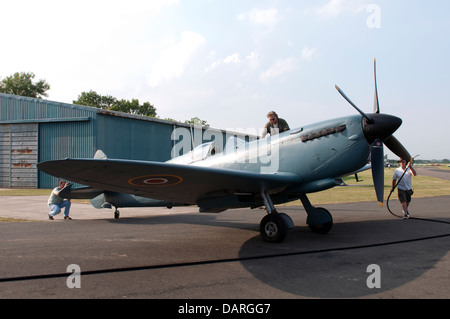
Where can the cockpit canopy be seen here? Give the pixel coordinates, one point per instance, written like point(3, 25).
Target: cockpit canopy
point(199, 153)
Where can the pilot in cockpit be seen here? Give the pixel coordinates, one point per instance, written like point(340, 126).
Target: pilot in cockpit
point(275, 125)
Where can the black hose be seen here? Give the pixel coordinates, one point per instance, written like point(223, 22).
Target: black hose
point(392, 190)
point(417, 218)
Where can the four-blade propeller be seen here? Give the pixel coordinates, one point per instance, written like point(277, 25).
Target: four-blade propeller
point(378, 129)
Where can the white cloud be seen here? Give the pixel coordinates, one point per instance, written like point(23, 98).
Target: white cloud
point(83, 19)
point(253, 60)
point(308, 53)
point(78, 45)
point(335, 8)
point(231, 59)
point(234, 58)
point(280, 67)
point(213, 65)
point(172, 61)
point(261, 17)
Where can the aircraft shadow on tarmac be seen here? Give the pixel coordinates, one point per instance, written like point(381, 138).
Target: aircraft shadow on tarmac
point(334, 265)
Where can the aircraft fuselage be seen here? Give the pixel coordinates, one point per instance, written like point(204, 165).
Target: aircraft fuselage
point(322, 150)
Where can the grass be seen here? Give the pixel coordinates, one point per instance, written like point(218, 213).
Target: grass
point(5, 220)
point(34, 192)
point(24, 192)
point(362, 191)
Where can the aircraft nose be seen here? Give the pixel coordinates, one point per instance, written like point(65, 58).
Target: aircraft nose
point(382, 126)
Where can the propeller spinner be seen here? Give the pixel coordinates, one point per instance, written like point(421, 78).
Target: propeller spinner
point(378, 129)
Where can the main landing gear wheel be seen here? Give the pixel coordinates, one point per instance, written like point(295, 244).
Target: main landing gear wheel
point(322, 228)
point(273, 228)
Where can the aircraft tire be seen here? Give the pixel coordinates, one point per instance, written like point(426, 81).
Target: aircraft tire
point(325, 227)
point(273, 228)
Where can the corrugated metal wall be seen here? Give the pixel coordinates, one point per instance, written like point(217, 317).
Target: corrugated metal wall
point(18, 155)
point(61, 130)
point(19, 108)
point(58, 140)
point(5, 155)
point(130, 138)
point(65, 130)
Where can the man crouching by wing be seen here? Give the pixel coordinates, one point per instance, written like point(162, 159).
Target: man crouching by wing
point(56, 202)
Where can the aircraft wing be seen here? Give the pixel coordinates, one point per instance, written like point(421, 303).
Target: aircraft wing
point(177, 183)
point(362, 169)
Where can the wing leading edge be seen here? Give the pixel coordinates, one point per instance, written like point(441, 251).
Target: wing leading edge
point(177, 183)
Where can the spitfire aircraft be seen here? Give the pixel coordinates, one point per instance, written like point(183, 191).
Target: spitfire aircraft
point(266, 172)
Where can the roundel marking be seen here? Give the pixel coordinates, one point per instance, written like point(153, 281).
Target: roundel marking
point(155, 180)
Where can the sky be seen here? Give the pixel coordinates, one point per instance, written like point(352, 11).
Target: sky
point(231, 62)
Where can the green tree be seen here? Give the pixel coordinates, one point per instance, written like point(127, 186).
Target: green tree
point(94, 99)
point(109, 102)
point(197, 121)
point(22, 84)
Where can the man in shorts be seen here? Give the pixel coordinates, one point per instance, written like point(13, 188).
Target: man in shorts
point(405, 185)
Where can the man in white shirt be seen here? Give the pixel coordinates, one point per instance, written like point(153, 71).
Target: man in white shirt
point(404, 185)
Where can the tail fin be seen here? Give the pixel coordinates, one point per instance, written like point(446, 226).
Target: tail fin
point(100, 155)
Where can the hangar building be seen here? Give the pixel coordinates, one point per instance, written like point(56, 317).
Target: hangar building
point(36, 130)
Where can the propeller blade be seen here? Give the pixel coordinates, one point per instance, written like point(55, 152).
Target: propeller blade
point(397, 148)
point(377, 162)
point(376, 103)
point(369, 120)
point(378, 129)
